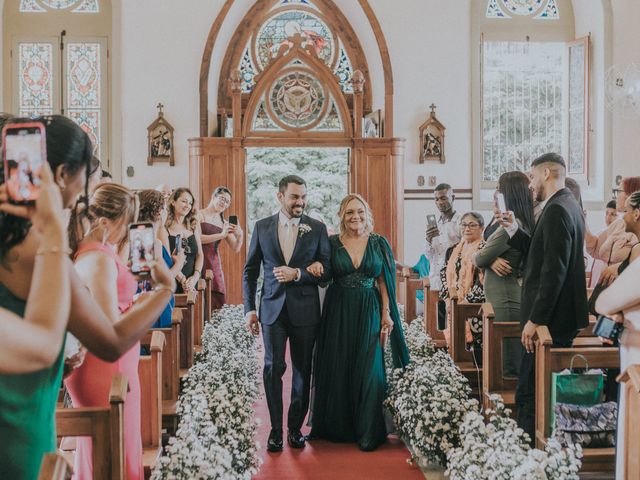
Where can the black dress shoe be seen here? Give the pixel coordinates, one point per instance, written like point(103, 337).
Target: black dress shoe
point(274, 444)
point(295, 439)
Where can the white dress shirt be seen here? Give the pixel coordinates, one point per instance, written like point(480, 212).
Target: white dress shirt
point(436, 250)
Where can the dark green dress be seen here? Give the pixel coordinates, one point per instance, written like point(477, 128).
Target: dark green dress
point(350, 381)
point(27, 411)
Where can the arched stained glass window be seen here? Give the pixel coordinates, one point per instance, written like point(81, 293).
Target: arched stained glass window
point(287, 19)
point(538, 9)
point(80, 6)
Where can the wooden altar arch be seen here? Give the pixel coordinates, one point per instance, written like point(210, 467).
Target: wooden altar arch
point(376, 164)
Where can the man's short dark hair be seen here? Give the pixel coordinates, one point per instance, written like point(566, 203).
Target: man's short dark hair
point(443, 186)
point(284, 182)
point(549, 158)
point(611, 204)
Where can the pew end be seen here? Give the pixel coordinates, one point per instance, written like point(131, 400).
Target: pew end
point(55, 467)
point(630, 380)
point(150, 373)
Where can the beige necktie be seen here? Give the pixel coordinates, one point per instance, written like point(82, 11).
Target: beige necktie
point(289, 241)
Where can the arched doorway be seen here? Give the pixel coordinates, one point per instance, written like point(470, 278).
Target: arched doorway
point(295, 75)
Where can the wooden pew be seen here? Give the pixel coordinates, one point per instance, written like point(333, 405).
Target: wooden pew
point(186, 302)
point(493, 378)
point(104, 425)
point(460, 312)
point(55, 467)
point(431, 298)
point(551, 359)
point(150, 373)
point(199, 318)
point(630, 380)
point(407, 295)
point(208, 307)
point(171, 371)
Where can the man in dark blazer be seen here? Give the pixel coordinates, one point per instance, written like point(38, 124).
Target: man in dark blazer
point(554, 291)
point(285, 244)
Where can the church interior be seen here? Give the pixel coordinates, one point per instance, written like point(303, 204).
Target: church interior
point(200, 118)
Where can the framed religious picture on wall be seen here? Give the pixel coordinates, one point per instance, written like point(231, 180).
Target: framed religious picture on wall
point(432, 139)
point(160, 140)
point(372, 125)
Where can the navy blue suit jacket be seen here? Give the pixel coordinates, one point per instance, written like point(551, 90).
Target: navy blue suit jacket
point(300, 298)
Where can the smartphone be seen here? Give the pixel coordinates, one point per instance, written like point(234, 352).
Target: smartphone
point(605, 327)
point(178, 245)
point(24, 151)
point(502, 206)
point(141, 248)
point(431, 220)
point(233, 219)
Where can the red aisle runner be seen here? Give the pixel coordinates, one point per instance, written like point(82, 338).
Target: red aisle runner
point(326, 460)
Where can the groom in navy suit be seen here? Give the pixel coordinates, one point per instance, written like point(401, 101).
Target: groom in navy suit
point(285, 244)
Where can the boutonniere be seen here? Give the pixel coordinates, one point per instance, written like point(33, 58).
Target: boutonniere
point(303, 228)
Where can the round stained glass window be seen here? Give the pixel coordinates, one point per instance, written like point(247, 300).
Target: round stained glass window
point(276, 31)
point(297, 99)
point(522, 7)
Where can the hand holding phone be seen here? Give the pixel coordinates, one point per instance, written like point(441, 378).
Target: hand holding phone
point(141, 248)
point(233, 219)
point(24, 151)
point(608, 328)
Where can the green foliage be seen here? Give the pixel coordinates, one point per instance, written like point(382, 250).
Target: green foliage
point(324, 170)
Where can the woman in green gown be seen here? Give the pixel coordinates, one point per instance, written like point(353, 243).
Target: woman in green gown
point(360, 313)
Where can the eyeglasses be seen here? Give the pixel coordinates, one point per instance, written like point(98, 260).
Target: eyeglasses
point(224, 200)
point(469, 225)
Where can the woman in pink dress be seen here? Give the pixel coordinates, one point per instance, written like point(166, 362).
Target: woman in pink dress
point(111, 208)
point(215, 229)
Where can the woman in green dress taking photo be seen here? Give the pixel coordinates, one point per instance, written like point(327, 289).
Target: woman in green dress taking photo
point(360, 316)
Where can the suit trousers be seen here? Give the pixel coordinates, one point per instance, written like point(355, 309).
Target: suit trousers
point(526, 387)
point(301, 342)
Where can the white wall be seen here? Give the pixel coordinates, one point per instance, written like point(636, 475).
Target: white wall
point(626, 50)
point(430, 47)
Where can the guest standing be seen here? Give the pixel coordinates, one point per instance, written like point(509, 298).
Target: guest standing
point(182, 220)
point(621, 300)
point(359, 308)
point(111, 208)
point(214, 230)
point(554, 292)
point(153, 210)
point(440, 238)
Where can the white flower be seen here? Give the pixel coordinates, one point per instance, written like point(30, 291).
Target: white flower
point(303, 228)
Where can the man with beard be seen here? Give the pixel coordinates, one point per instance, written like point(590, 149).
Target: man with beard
point(440, 237)
point(554, 291)
point(285, 244)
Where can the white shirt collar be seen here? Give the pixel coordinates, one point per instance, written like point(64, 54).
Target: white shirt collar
point(283, 219)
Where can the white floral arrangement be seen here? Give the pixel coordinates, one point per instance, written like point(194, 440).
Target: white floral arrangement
point(428, 400)
point(215, 436)
point(303, 228)
point(498, 449)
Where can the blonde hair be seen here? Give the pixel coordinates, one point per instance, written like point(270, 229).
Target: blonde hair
point(114, 202)
point(367, 210)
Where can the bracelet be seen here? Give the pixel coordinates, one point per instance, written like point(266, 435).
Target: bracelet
point(54, 250)
point(163, 287)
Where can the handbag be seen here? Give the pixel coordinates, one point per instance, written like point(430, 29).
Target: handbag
point(584, 388)
point(592, 427)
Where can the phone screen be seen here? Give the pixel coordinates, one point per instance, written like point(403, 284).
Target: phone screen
point(141, 247)
point(233, 219)
point(431, 221)
point(178, 245)
point(502, 206)
point(23, 148)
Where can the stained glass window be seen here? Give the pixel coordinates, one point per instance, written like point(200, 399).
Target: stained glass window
point(35, 91)
point(262, 121)
point(83, 88)
point(550, 12)
point(502, 9)
point(247, 71)
point(297, 99)
point(344, 71)
point(81, 6)
point(276, 31)
point(332, 122)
